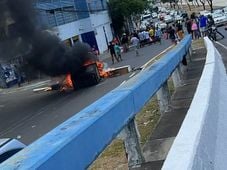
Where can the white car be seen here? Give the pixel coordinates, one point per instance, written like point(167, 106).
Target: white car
point(205, 13)
point(154, 15)
point(168, 19)
point(144, 24)
point(218, 11)
point(161, 25)
point(219, 18)
point(146, 17)
point(9, 147)
point(225, 10)
point(178, 18)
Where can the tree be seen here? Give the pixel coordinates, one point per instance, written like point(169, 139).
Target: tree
point(197, 3)
point(121, 11)
point(189, 6)
point(210, 2)
point(203, 3)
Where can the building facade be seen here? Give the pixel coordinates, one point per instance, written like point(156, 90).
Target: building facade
point(77, 20)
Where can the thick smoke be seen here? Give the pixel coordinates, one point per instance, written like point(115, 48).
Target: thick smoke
point(45, 51)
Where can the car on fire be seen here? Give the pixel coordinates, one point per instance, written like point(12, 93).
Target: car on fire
point(88, 75)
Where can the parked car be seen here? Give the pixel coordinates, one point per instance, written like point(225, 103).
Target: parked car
point(146, 17)
point(178, 18)
point(161, 25)
point(225, 10)
point(154, 15)
point(168, 19)
point(219, 19)
point(184, 14)
point(9, 147)
point(205, 13)
point(217, 11)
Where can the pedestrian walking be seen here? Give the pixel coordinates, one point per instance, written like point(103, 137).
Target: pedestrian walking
point(112, 52)
point(95, 52)
point(158, 35)
point(135, 43)
point(172, 35)
point(180, 32)
point(188, 25)
point(194, 30)
point(141, 38)
point(124, 42)
point(117, 50)
point(202, 24)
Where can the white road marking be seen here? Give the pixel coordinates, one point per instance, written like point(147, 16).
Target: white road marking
point(154, 58)
point(225, 47)
point(133, 74)
point(123, 83)
point(100, 84)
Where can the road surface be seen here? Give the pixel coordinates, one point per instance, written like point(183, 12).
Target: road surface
point(26, 115)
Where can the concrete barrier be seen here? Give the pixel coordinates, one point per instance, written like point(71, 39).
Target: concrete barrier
point(76, 143)
point(201, 142)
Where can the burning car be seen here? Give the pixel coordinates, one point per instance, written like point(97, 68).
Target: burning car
point(88, 75)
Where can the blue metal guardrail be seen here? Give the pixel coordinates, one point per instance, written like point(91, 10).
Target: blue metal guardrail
point(78, 141)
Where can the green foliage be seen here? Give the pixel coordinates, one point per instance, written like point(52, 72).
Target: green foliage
point(122, 9)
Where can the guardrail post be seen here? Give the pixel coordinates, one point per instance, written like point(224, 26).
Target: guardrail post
point(130, 135)
point(189, 54)
point(163, 97)
point(182, 68)
point(176, 78)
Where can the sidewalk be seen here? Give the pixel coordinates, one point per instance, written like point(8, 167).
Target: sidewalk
point(158, 145)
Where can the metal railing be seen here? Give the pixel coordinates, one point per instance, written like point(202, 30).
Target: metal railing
point(201, 142)
point(77, 142)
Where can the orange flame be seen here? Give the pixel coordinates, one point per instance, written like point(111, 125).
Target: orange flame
point(67, 83)
point(103, 73)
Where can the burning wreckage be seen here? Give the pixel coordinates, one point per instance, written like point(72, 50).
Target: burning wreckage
point(45, 52)
point(91, 73)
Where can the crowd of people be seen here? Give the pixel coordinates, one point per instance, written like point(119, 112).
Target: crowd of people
point(135, 40)
point(200, 26)
point(196, 25)
point(174, 32)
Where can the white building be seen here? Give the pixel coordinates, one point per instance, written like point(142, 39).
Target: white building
point(78, 20)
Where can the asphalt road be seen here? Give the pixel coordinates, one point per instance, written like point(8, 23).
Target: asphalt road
point(221, 45)
point(26, 115)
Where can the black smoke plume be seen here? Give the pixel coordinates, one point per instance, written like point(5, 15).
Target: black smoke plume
point(45, 51)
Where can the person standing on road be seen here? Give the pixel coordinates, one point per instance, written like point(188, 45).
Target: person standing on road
point(135, 43)
point(188, 25)
point(124, 42)
point(112, 52)
point(141, 38)
point(194, 30)
point(180, 32)
point(172, 35)
point(202, 24)
point(158, 35)
point(212, 29)
point(117, 50)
